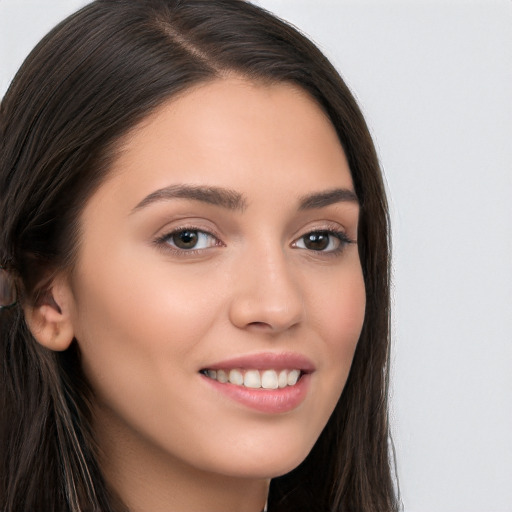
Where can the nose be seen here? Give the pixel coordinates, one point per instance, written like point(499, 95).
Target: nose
point(267, 295)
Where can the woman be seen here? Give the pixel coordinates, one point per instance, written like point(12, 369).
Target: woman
point(194, 221)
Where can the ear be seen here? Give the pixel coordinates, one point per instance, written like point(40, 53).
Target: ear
point(50, 320)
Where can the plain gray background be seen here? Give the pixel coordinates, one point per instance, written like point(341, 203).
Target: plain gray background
point(434, 80)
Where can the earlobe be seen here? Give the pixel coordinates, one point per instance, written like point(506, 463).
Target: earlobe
point(50, 320)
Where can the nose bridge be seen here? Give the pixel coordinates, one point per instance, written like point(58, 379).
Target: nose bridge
point(268, 293)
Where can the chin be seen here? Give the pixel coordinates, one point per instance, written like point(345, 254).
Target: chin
point(266, 462)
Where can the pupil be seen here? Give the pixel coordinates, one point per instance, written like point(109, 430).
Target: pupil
point(317, 241)
point(185, 239)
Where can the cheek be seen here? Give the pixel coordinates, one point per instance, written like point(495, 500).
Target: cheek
point(339, 317)
point(345, 314)
point(140, 342)
point(133, 287)
point(139, 326)
point(340, 308)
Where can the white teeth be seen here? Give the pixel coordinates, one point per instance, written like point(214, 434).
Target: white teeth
point(252, 379)
point(236, 377)
point(269, 380)
point(283, 379)
point(293, 377)
point(266, 379)
point(222, 376)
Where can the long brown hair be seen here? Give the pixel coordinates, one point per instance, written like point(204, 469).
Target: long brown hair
point(91, 79)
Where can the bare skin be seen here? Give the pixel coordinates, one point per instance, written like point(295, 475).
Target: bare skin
point(170, 283)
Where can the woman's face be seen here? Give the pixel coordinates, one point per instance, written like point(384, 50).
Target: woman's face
point(221, 246)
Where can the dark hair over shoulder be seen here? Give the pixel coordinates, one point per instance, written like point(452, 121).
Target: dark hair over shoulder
point(85, 85)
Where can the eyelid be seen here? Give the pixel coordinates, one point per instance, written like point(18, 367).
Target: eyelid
point(326, 226)
point(340, 235)
point(331, 228)
point(162, 241)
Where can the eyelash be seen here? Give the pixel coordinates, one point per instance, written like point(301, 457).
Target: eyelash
point(341, 237)
point(164, 241)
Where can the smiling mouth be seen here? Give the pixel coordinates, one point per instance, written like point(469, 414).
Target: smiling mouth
point(255, 379)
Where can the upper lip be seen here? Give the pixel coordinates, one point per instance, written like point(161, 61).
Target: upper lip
point(266, 361)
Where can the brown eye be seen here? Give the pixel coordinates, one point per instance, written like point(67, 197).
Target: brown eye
point(318, 241)
point(323, 241)
point(186, 239)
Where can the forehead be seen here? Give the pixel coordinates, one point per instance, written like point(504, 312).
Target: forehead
point(234, 132)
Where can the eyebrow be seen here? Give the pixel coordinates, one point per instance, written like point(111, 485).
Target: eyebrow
point(226, 198)
point(323, 199)
point(232, 200)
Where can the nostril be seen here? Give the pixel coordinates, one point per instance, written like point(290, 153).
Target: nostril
point(260, 325)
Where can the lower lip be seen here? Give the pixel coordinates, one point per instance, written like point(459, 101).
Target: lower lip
point(270, 401)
